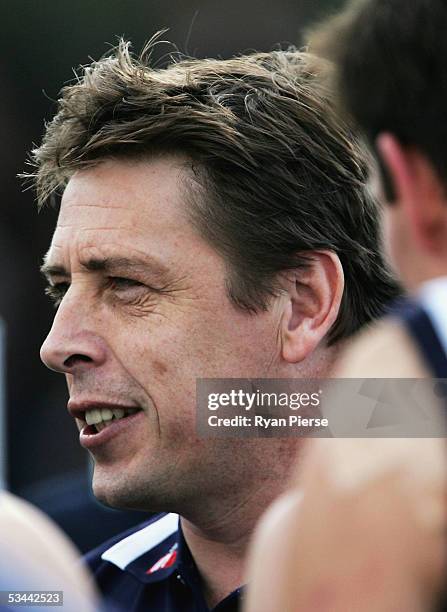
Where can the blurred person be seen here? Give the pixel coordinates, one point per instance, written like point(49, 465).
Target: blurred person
point(214, 223)
point(363, 528)
point(366, 526)
point(36, 556)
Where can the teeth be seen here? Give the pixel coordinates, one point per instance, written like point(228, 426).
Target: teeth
point(93, 416)
point(102, 425)
point(101, 417)
point(107, 414)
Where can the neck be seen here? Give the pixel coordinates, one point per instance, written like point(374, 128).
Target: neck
point(218, 535)
point(251, 474)
point(209, 553)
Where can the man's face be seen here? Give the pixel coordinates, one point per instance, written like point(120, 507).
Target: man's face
point(144, 313)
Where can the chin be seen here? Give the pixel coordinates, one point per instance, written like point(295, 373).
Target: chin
point(107, 497)
point(111, 492)
point(119, 492)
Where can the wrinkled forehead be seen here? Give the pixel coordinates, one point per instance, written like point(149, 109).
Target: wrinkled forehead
point(118, 206)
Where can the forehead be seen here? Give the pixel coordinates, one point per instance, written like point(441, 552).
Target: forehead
point(131, 204)
point(126, 190)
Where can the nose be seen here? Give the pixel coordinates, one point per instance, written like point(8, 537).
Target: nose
point(73, 344)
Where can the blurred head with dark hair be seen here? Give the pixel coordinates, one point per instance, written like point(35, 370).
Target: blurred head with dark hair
point(390, 76)
point(390, 57)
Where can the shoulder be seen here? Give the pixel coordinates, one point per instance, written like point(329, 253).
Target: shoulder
point(384, 350)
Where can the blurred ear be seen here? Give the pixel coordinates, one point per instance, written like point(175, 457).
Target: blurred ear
point(419, 192)
point(311, 306)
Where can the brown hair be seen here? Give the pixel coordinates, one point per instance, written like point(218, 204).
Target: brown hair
point(281, 175)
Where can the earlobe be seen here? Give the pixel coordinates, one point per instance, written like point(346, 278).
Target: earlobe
point(312, 305)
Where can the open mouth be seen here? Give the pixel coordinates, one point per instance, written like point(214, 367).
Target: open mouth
point(98, 419)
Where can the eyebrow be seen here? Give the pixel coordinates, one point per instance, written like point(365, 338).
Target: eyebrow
point(108, 265)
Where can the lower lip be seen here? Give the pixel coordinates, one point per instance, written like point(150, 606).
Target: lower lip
point(91, 441)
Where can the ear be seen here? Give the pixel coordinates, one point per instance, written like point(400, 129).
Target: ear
point(312, 304)
point(419, 192)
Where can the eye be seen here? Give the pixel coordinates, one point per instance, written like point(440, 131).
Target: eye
point(56, 292)
point(126, 289)
point(119, 283)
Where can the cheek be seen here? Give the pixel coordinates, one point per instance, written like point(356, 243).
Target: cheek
point(156, 356)
point(173, 350)
point(160, 368)
point(159, 345)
